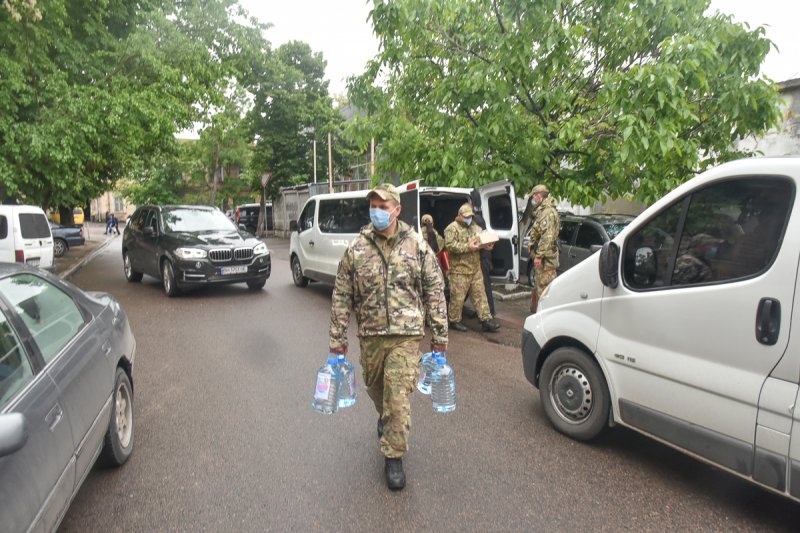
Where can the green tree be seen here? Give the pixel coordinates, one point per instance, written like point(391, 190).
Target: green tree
point(593, 97)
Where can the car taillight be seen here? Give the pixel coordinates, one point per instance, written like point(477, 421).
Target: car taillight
point(19, 256)
point(238, 214)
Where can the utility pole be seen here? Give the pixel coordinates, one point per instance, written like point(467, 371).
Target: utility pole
point(315, 160)
point(372, 158)
point(330, 165)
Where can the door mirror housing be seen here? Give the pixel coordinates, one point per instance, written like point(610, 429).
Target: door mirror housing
point(13, 433)
point(149, 231)
point(293, 225)
point(609, 265)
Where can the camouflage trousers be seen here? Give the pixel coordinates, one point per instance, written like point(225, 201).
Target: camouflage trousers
point(391, 370)
point(543, 278)
point(463, 286)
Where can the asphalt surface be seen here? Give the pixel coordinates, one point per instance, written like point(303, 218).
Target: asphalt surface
point(226, 439)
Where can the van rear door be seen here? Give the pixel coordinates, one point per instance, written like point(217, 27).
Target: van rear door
point(409, 199)
point(33, 237)
point(499, 209)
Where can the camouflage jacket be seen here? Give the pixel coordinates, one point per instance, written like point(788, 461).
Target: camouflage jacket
point(439, 239)
point(456, 240)
point(390, 292)
point(544, 233)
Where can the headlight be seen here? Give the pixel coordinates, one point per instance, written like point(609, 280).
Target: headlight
point(259, 249)
point(191, 253)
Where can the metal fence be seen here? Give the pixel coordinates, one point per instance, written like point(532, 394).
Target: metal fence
point(290, 200)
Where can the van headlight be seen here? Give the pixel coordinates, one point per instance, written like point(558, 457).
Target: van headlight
point(259, 249)
point(191, 253)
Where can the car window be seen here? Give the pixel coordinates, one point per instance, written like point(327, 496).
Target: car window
point(306, 219)
point(51, 316)
point(33, 226)
point(614, 229)
point(151, 220)
point(501, 216)
point(345, 215)
point(3, 227)
point(566, 231)
point(15, 368)
point(727, 231)
point(587, 236)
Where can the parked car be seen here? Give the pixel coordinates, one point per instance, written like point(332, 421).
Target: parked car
point(578, 238)
point(65, 237)
point(77, 216)
point(247, 216)
point(190, 246)
point(25, 236)
point(328, 222)
point(66, 393)
point(684, 326)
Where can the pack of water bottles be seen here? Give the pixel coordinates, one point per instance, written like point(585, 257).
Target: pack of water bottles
point(436, 378)
point(336, 385)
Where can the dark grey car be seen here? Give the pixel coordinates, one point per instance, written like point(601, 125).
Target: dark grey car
point(579, 237)
point(66, 393)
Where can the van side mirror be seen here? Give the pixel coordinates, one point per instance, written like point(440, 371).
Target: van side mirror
point(13, 433)
point(609, 265)
point(293, 225)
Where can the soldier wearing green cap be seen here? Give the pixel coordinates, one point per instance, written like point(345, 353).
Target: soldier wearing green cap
point(544, 241)
point(466, 277)
point(390, 279)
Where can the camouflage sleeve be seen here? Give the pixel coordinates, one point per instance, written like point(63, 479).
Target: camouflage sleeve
point(433, 295)
point(548, 229)
point(454, 240)
point(341, 304)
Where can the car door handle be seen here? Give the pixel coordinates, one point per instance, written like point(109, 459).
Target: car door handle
point(768, 321)
point(54, 417)
point(311, 243)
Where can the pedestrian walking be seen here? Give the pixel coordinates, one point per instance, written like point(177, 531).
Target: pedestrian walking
point(114, 224)
point(543, 241)
point(466, 279)
point(389, 278)
point(108, 223)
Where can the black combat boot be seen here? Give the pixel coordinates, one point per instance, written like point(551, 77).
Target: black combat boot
point(458, 326)
point(490, 325)
point(395, 477)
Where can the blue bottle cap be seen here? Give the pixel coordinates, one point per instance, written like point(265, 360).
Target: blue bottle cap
point(332, 359)
point(340, 357)
point(440, 359)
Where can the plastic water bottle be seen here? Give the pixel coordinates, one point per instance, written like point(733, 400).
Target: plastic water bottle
point(426, 367)
point(326, 393)
point(443, 386)
point(347, 389)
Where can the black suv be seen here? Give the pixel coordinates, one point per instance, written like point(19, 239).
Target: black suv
point(191, 245)
point(247, 216)
point(578, 238)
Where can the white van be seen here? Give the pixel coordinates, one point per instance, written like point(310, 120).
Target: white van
point(328, 222)
point(25, 236)
point(681, 327)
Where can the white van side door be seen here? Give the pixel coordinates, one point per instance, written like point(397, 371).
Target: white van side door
point(686, 337)
point(499, 209)
point(409, 199)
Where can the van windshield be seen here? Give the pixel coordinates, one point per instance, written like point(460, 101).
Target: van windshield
point(34, 226)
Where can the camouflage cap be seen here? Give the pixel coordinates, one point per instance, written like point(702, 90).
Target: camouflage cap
point(465, 210)
point(385, 191)
point(539, 188)
point(427, 219)
point(704, 238)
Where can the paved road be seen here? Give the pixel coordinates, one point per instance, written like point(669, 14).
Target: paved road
point(226, 439)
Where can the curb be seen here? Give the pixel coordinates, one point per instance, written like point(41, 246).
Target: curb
point(91, 255)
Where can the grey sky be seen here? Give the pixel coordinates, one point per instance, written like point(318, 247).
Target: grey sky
point(340, 30)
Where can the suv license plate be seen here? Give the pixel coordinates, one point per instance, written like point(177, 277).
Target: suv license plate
point(33, 262)
point(238, 269)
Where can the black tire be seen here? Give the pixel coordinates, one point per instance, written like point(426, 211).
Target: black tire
point(118, 444)
point(168, 279)
point(60, 247)
point(297, 273)
point(257, 284)
point(130, 274)
point(574, 394)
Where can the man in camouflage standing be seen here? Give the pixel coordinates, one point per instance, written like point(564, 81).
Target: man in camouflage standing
point(544, 241)
point(466, 277)
point(389, 277)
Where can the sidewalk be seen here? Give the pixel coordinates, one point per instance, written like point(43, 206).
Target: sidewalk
point(78, 256)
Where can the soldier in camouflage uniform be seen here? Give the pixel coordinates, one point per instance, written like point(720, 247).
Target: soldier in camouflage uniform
point(389, 277)
point(544, 239)
point(466, 277)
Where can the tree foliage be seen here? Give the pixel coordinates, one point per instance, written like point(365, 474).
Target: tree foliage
point(592, 97)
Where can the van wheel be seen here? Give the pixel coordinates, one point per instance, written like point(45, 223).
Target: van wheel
point(574, 394)
point(130, 274)
point(59, 247)
point(168, 279)
point(297, 273)
point(118, 444)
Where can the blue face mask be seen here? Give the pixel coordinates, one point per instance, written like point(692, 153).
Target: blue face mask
point(468, 221)
point(380, 219)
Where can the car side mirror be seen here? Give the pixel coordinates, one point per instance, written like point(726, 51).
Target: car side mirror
point(148, 230)
point(242, 227)
point(609, 265)
point(13, 433)
point(293, 225)
point(595, 247)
